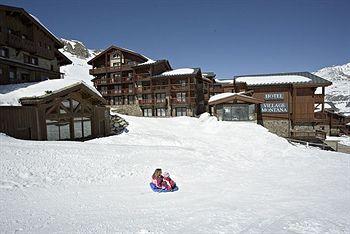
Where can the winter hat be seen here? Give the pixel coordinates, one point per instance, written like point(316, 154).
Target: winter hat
point(166, 174)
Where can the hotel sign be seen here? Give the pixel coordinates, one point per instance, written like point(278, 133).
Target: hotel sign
point(274, 107)
point(274, 96)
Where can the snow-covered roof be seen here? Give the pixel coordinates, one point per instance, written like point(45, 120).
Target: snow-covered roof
point(10, 95)
point(283, 78)
point(224, 96)
point(224, 81)
point(221, 96)
point(149, 61)
point(37, 19)
point(180, 71)
point(259, 80)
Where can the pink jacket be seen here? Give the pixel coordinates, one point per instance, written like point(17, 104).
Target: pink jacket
point(158, 181)
point(168, 183)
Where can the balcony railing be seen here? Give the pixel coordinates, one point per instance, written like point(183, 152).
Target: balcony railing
point(146, 101)
point(183, 100)
point(102, 70)
point(119, 80)
point(19, 42)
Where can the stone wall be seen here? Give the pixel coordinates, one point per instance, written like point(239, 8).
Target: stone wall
point(134, 110)
point(279, 127)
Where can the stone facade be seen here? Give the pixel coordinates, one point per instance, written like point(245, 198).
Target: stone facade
point(134, 110)
point(279, 127)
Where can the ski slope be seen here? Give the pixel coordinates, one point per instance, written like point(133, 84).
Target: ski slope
point(233, 177)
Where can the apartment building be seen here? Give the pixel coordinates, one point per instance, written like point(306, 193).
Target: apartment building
point(137, 85)
point(28, 50)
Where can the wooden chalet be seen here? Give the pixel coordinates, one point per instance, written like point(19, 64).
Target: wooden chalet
point(136, 85)
point(28, 50)
point(70, 111)
point(288, 101)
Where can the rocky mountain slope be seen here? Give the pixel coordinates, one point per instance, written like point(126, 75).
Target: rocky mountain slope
point(77, 52)
point(339, 91)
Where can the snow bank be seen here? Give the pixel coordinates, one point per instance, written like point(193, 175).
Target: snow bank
point(277, 79)
point(11, 94)
point(344, 140)
point(233, 177)
point(180, 71)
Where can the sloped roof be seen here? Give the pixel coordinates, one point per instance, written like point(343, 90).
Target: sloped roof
point(179, 72)
point(208, 74)
point(15, 94)
point(121, 49)
point(146, 64)
point(35, 20)
point(282, 78)
point(227, 97)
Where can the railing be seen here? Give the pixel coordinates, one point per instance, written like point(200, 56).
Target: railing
point(120, 91)
point(100, 70)
point(307, 143)
point(19, 42)
point(182, 100)
point(142, 76)
point(114, 80)
point(146, 101)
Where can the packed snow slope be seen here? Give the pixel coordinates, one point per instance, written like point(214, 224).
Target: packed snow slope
point(79, 55)
point(233, 177)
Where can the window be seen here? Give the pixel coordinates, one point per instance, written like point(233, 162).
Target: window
point(57, 130)
point(12, 75)
point(82, 127)
point(130, 100)
point(4, 52)
point(181, 111)
point(30, 59)
point(25, 77)
point(182, 82)
point(116, 75)
point(181, 97)
point(131, 88)
point(238, 112)
point(160, 97)
point(116, 64)
point(147, 112)
point(118, 100)
point(161, 112)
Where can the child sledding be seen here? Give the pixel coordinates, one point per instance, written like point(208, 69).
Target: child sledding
point(161, 182)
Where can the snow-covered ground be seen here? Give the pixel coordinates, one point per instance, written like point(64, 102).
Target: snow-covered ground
point(233, 177)
point(79, 69)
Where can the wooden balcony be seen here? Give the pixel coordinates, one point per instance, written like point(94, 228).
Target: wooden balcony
point(147, 101)
point(142, 77)
point(102, 70)
point(20, 43)
point(107, 81)
point(178, 101)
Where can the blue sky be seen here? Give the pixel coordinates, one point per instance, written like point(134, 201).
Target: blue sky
point(227, 37)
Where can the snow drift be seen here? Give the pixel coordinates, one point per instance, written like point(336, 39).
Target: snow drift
point(234, 177)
